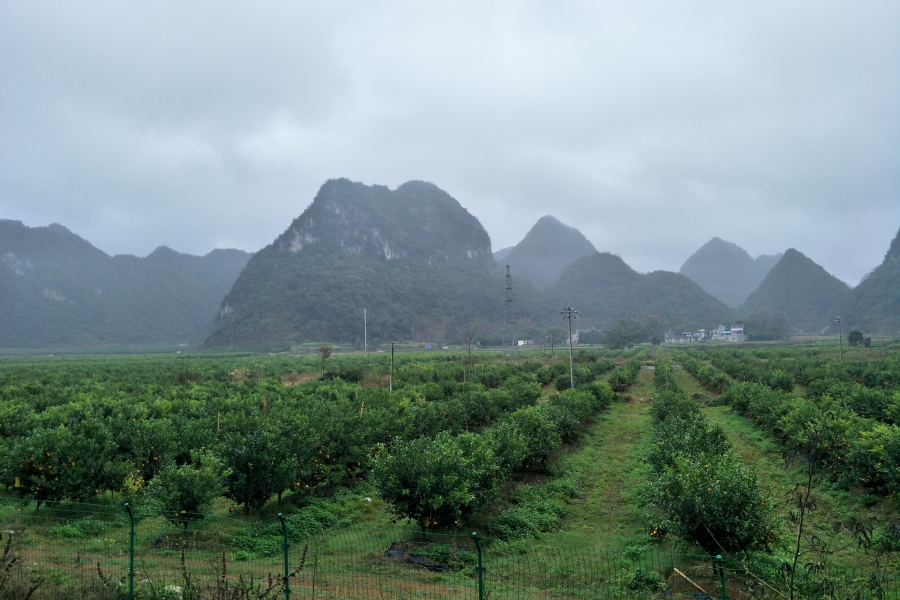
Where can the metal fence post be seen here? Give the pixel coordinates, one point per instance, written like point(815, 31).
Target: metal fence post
point(285, 545)
point(480, 566)
point(130, 553)
point(721, 569)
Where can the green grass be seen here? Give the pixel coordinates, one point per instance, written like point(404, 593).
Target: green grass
point(643, 385)
point(779, 477)
point(606, 466)
point(689, 384)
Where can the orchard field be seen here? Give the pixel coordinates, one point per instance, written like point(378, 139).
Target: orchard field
point(784, 460)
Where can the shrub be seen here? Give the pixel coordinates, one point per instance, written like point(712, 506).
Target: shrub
point(716, 500)
point(709, 495)
point(439, 481)
point(509, 447)
point(686, 438)
point(534, 510)
point(541, 435)
point(187, 491)
point(779, 379)
point(603, 394)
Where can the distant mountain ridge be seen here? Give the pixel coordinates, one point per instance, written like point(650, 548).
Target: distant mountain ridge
point(545, 251)
point(606, 290)
point(421, 266)
point(874, 305)
point(802, 290)
point(56, 289)
point(727, 271)
point(414, 257)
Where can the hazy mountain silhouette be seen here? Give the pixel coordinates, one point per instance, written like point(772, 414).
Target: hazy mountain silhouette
point(727, 271)
point(56, 289)
point(546, 250)
point(803, 291)
point(874, 305)
point(606, 290)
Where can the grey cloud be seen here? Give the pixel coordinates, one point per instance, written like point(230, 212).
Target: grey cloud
point(651, 126)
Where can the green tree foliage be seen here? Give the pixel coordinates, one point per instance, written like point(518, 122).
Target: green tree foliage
point(510, 447)
point(622, 378)
point(624, 333)
point(780, 379)
point(260, 465)
point(56, 463)
point(437, 481)
point(850, 449)
point(187, 491)
point(541, 434)
point(706, 491)
point(855, 338)
point(654, 329)
point(718, 502)
point(765, 325)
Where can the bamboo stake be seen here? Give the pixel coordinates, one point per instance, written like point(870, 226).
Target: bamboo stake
point(688, 579)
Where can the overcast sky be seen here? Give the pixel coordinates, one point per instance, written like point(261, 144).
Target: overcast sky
point(650, 126)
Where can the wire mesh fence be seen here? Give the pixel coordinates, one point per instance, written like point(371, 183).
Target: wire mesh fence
point(68, 550)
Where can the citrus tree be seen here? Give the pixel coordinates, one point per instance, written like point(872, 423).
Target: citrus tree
point(438, 481)
point(187, 491)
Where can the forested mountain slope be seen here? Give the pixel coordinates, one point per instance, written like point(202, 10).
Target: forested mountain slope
point(874, 305)
point(727, 271)
point(501, 254)
point(413, 257)
point(606, 290)
point(547, 249)
point(805, 293)
point(56, 289)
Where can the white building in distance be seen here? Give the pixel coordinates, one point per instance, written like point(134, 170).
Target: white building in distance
point(719, 334)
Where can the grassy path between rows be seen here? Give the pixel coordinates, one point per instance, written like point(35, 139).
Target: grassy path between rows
point(607, 464)
point(763, 453)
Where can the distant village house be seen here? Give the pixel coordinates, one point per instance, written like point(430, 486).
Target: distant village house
point(719, 334)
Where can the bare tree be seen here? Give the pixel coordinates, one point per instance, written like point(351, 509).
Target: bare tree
point(467, 337)
point(324, 353)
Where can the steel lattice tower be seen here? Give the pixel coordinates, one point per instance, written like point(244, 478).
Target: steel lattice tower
point(509, 316)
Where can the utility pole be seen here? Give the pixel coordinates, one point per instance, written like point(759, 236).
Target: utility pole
point(509, 317)
point(840, 341)
point(569, 313)
point(365, 336)
point(391, 384)
point(552, 356)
